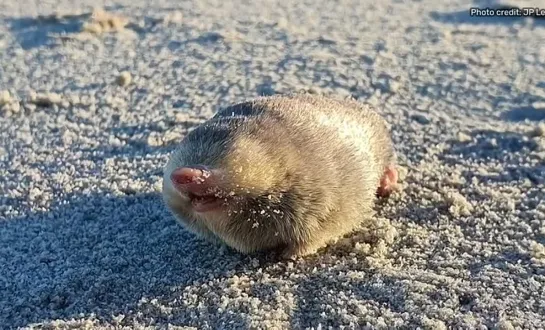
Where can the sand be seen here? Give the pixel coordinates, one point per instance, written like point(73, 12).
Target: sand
point(88, 119)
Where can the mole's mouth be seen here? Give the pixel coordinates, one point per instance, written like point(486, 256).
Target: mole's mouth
point(206, 203)
point(202, 186)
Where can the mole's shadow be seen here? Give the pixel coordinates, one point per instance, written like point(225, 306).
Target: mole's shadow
point(99, 254)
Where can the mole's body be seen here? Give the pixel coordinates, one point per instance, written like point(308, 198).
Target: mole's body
point(290, 172)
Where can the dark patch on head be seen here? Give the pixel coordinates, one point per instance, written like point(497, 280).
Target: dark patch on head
point(211, 141)
point(245, 109)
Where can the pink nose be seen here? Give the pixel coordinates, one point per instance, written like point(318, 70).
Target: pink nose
point(185, 175)
point(193, 180)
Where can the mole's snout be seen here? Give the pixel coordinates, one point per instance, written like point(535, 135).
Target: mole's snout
point(193, 180)
point(200, 185)
point(185, 175)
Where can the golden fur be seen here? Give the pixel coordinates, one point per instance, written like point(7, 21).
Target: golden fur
point(300, 170)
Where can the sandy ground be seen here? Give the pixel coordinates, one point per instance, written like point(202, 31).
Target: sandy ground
point(93, 105)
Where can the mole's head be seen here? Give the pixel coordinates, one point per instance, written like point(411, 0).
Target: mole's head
point(216, 173)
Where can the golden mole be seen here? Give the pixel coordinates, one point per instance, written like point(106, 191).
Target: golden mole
point(289, 172)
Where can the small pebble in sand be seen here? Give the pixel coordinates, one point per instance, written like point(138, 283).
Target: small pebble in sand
point(8, 105)
point(102, 21)
point(174, 18)
point(458, 204)
point(537, 251)
point(92, 28)
point(454, 179)
point(154, 140)
point(45, 99)
point(124, 78)
point(539, 131)
point(538, 105)
point(30, 107)
point(5, 97)
point(463, 137)
point(433, 324)
point(505, 325)
point(15, 107)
